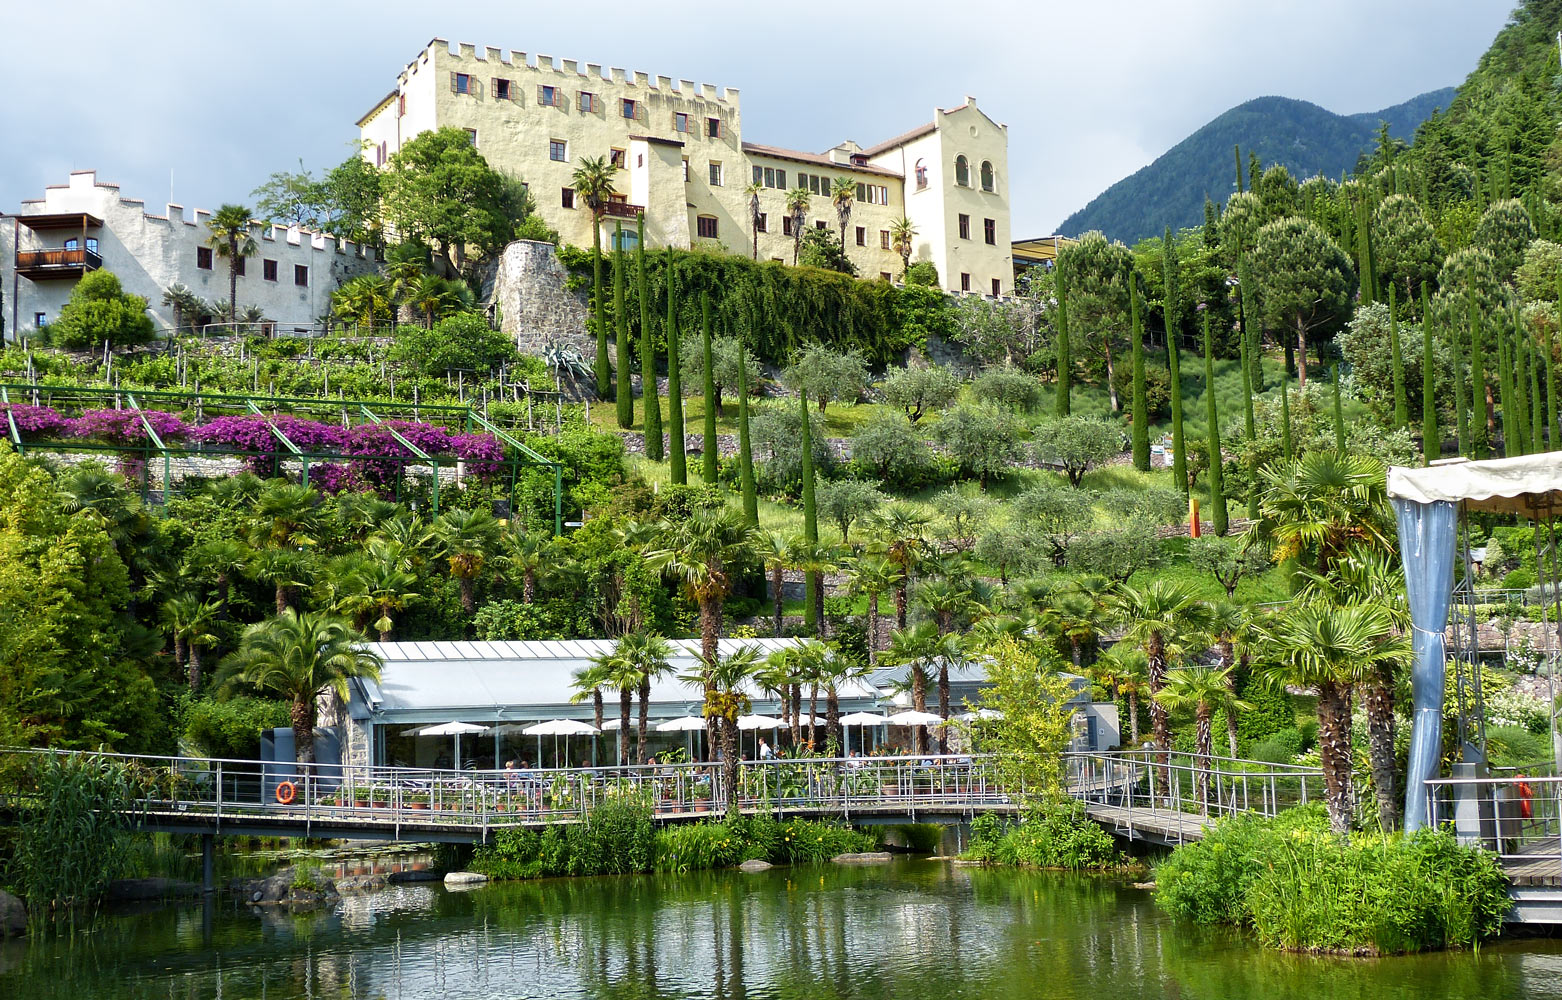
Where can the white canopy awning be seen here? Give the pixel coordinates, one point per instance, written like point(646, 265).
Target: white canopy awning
point(1529, 485)
point(685, 724)
point(452, 729)
point(560, 727)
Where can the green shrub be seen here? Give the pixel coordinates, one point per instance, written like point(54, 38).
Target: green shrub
point(232, 728)
point(1519, 579)
point(1299, 887)
point(463, 341)
point(100, 310)
point(1060, 836)
point(923, 272)
point(1278, 748)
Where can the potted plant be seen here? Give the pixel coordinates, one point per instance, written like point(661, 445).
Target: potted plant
point(417, 800)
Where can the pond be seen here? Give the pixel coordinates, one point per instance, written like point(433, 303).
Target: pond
point(910, 929)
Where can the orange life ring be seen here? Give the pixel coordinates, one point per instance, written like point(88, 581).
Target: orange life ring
point(1526, 810)
point(286, 793)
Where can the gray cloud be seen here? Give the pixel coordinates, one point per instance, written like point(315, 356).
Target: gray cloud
point(221, 97)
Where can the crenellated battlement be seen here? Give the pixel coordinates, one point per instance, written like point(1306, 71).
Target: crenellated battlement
point(517, 61)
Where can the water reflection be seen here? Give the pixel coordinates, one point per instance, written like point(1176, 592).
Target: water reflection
point(914, 929)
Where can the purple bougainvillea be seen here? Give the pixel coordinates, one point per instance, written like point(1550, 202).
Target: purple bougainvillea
point(37, 421)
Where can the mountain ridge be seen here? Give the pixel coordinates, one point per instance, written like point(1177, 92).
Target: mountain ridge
point(1304, 137)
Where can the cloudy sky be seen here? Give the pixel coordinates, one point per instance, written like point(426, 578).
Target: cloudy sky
point(218, 95)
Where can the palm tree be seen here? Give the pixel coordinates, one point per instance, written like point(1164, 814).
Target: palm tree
point(652, 659)
point(816, 559)
point(945, 599)
point(900, 532)
point(184, 302)
point(230, 238)
point(812, 660)
point(1313, 644)
point(902, 234)
point(588, 682)
point(1122, 668)
point(284, 570)
point(405, 272)
point(464, 538)
point(872, 575)
point(1073, 614)
point(1321, 506)
point(363, 301)
point(295, 656)
point(1161, 618)
point(1202, 689)
point(593, 184)
point(725, 700)
point(1228, 625)
point(918, 649)
point(526, 553)
point(775, 679)
point(621, 672)
point(375, 585)
point(285, 516)
point(221, 559)
point(754, 214)
point(842, 194)
point(775, 550)
point(190, 621)
point(797, 208)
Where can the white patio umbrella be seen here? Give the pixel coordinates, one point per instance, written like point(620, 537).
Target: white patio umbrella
point(757, 722)
point(980, 713)
point(557, 728)
point(861, 719)
point(911, 717)
point(690, 724)
point(453, 729)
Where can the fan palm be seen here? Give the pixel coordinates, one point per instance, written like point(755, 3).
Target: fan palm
point(526, 553)
point(464, 538)
point(220, 560)
point(190, 622)
point(725, 700)
point(1123, 670)
point(945, 599)
point(842, 194)
point(652, 659)
point(902, 234)
point(919, 649)
point(1074, 615)
point(1312, 644)
point(754, 214)
point(775, 550)
point(900, 533)
point(184, 302)
point(872, 575)
point(816, 559)
point(1202, 689)
point(797, 208)
point(372, 589)
point(295, 656)
point(588, 682)
point(621, 672)
point(1319, 507)
point(1229, 624)
point(1161, 618)
point(230, 237)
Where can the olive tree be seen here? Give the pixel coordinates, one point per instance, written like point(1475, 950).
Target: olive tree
point(887, 448)
point(1008, 388)
point(983, 440)
point(920, 389)
point(1076, 445)
point(827, 375)
point(727, 354)
point(847, 501)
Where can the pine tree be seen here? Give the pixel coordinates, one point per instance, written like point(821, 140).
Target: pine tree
point(679, 462)
point(1431, 437)
point(1286, 444)
point(604, 372)
point(649, 397)
point(1401, 404)
point(1217, 481)
point(745, 449)
point(1480, 413)
point(625, 390)
point(810, 513)
point(709, 455)
point(1339, 412)
point(1141, 404)
point(1065, 358)
point(1172, 313)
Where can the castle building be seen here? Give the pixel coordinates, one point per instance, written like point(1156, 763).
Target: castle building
point(87, 225)
point(684, 163)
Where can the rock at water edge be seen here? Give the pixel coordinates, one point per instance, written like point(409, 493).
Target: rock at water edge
point(465, 878)
point(13, 916)
point(755, 866)
point(868, 858)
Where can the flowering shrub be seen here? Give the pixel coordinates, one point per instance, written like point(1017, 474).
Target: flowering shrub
point(38, 421)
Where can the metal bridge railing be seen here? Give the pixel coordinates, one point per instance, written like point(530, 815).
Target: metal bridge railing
point(1516, 816)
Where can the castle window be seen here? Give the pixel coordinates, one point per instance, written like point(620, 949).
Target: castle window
point(567, 198)
point(501, 89)
point(462, 83)
point(965, 226)
point(471, 135)
point(626, 108)
point(203, 258)
point(990, 231)
point(715, 174)
point(615, 158)
point(268, 270)
point(680, 121)
point(549, 96)
point(786, 225)
point(862, 236)
point(962, 171)
point(965, 282)
point(558, 150)
point(301, 275)
point(884, 239)
point(997, 288)
point(762, 222)
point(921, 169)
point(587, 102)
point(715, 128)
point(989, 182)
point(705, 226)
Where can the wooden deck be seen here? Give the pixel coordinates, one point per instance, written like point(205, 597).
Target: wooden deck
point(1158, 825)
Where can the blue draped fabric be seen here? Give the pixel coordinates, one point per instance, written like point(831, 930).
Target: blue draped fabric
point(1427, 536)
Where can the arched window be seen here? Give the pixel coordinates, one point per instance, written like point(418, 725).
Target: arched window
point(921, 169)
point(962, 171)
point(988, 184)
point(625, 239)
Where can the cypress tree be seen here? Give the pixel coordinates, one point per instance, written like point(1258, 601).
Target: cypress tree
point(679, 463)
point(1237, 151)
point(745, 450)
point(1065, 358)
point(1252, 326)
point(709, 455)
point(1551, 392)
point(1339, 413)
point(1461, 406)
point(1512, 435)
point(604, 372)
point(1364, 254)
point(1537, 418)
point(1217, 481)
point(1285, 420)
point(1172, 312)
point(1249, 430)
point(625, 390)
point(1431, 437)
point(651, 399)
point(810, 513)
point(1401, 404)
point(1480, 414)
point(1141, 424)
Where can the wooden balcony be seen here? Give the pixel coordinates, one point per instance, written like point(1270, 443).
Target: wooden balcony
point(42, 265)
point(621, 210)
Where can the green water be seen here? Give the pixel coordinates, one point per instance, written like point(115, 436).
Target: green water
point(915, 929)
